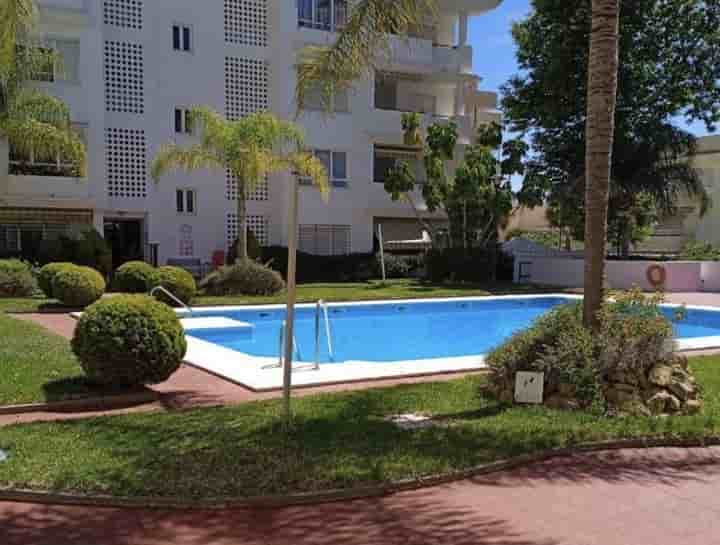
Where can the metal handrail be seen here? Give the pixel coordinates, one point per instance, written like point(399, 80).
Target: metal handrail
point(321, 306)
point(171, 296)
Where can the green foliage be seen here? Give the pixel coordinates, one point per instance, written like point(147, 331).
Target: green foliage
point(135, 277)
point(461, 265)
point(244, 278)
point(551, 239)
point(401, 266)
point(128, 341)
point(77, 286)
point(47, 274)
point(666, 72)
point(633, 336)
point(177, 281)
point(411, 128)
point(16, 279)
point(700, 251)
point(254, 250)
point(322, 268)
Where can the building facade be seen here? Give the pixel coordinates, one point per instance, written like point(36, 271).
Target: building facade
point(130, 70)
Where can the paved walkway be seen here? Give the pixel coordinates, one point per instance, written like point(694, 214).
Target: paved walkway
point(631, 497)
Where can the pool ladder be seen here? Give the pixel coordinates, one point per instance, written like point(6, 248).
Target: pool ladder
point(171, 296)
point(321, 313)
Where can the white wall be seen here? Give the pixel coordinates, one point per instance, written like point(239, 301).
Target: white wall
point(682, 276)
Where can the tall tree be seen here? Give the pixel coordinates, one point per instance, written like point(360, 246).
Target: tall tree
point(668, 69)
point(32, 121)
point(250, 148)
point(602, 94)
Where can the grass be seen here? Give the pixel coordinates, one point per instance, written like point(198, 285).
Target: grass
point(339, 440)
point(308, 293)
point(36, 365)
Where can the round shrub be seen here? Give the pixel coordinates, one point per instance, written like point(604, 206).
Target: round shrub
point(16, 279)
point(177, 281)
point(47, 274)
point(244, 278)
point(135, 277)
point(78, 286)
point(129, 340)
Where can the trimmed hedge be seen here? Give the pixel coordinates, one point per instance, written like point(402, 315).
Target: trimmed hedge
point(16, 279)
point(244, 278)
point(47, 274)
point(129, 340)
point(323, 268)
point(135, 277)
point(78, 286)
point(177, 281)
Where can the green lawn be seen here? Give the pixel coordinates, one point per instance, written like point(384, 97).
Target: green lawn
point(307, 293)
point(340, 440)
point(36, 365)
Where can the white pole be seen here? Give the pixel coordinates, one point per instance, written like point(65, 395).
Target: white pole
point(382, 251)
point(290, 313)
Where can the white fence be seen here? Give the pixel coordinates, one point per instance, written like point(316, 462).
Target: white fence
point(680, 276)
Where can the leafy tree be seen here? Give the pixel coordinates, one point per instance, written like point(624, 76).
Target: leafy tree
point(476, 197)
point(668, 51)
point(30, 120)
point(251, 148)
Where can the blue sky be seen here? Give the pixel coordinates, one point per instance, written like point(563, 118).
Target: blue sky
point(494, 50)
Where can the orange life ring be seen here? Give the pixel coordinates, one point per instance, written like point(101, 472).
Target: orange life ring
point(656, 275)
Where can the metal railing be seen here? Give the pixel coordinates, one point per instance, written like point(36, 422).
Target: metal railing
point(322, 308)
point(171, 296)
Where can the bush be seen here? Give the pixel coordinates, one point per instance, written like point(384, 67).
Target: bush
point(87, 248)
point(633, 338)
point(245, 278)
point(47, 274)
point(701, 251)
point(177, 281)
point(16, 279)
point(462, 265)
point(401, 266)
point(135, 277)
point(323, 268)
point(129, 340)
point(254, 249)
point(78, 286)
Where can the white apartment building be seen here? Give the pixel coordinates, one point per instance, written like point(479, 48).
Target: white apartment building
point(131, 68)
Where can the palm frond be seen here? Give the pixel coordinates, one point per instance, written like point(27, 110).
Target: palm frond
point(30, 135)
point(18, 19)
point(33, 104)
point(361, 44)
point(306, 165)
point(173, 157)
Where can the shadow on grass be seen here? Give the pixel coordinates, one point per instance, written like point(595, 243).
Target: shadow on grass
point(79, 387)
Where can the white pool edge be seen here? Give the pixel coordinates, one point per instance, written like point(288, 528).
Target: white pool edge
point(257, 373)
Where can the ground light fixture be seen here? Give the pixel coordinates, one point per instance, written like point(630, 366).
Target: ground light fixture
point(4, 455)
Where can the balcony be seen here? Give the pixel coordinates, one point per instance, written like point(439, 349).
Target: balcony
point(44, 191)
point(421, 56)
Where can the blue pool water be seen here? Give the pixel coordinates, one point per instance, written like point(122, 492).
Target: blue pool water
point(407, 331)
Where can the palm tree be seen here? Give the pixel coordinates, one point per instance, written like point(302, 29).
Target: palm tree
point(600, 128)
point(250, 148)
point(30, 120)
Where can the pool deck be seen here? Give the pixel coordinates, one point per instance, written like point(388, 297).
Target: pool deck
point(190, 387)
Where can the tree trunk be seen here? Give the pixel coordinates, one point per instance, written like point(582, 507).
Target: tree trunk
point(599, 133)
point(242, 247)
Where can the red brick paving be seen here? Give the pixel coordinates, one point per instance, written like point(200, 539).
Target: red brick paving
point(630, 497)
point(189, 387)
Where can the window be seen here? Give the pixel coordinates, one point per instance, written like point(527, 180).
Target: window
point(182, 38)
point(61, 62)
point(325, 239)
point(339, 101)
point(335, 163)
point(322, 14)
point(185, 201)
point(387, 157)
point(183, 121)
point(31, 163)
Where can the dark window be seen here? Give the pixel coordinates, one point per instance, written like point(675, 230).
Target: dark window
point(190, 201)
point(382, 165)
point(176, 38)
point(179, 120)
point(186, 39)
point(180, 200)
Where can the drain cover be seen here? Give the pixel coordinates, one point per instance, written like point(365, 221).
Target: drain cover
point(3, 455)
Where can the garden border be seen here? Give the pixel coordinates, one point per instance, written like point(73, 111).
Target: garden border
point(362, 492)
point(109, 402)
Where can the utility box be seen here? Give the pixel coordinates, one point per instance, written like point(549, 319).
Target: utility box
point(529, 387)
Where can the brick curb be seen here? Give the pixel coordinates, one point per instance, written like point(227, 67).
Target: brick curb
point(108, 402)
point(363, 492)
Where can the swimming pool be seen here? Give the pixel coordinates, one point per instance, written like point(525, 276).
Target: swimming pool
point(383, 339)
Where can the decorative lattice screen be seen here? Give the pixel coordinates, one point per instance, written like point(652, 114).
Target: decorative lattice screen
point(261, 192)
point(257, 224)
point(123, 13)
point(126, 156)
point(124, 78)
point(246, 86)
point(246, 22)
